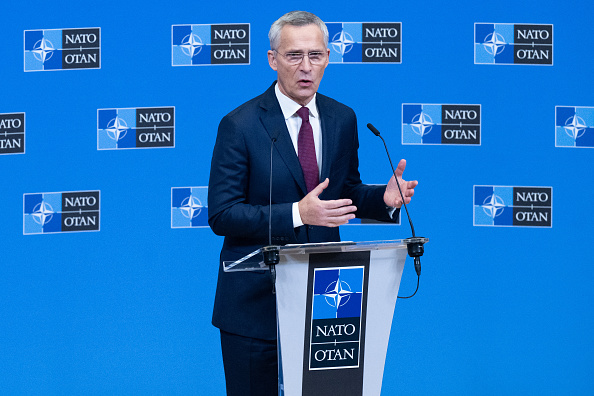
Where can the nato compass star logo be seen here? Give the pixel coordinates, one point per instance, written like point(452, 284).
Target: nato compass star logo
point(116, 128)
point(191, 207)
point(43, 50)
point(342, 42)
point(422, 124)
point(493, 206)
point(494, 43)
point(490, 208)
point(338, 293)
point(575, 127)
point(42, 213)
point(191, 45)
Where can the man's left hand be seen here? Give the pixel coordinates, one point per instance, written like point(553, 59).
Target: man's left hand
point(392, 195)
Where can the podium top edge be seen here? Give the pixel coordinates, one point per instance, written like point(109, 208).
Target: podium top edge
point(346, 246)
point(253, 260)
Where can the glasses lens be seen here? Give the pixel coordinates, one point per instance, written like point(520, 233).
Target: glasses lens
point(316, 57)
point(294, 57)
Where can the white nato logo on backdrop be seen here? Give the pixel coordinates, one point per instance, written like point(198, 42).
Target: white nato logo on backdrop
point(452, 124)
point(42, 213)
point(116, 128)
point(493, 205)
point(215, 44)
point(513, 44)
point(191, 45)
point(342, 42)
point(494, 43)
point(513, 206)
point(189, 207)
point(43, 50)
point(60, 212)
point(574, 126)
point(135, 127)
point(422, 124)
point(365, 42)
point(62, 49)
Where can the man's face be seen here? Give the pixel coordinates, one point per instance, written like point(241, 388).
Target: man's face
point(299, 82)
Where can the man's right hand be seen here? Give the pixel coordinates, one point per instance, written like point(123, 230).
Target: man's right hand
point(314, 211)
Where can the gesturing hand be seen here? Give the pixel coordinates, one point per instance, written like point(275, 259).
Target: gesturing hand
point(314, 211)
point(392, 195)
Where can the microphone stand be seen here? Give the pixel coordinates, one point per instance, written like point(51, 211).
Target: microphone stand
point(270, 253)
point(414, 245)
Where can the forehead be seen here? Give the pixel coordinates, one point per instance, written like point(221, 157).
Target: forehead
point(301, 38)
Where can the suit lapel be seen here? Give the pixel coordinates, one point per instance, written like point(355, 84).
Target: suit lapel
point(274, 122)
point(328, 125)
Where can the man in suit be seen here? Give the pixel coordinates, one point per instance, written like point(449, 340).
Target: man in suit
point(316, 188)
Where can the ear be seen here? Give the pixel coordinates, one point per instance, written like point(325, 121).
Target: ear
point(272, 60)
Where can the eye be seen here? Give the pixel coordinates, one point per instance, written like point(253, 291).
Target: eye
point(293, 56)
point(315, 55)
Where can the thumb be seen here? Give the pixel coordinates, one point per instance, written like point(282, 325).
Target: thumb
point(400, 168)
point(320, 187)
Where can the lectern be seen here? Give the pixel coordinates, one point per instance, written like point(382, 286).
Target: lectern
point(335, 303)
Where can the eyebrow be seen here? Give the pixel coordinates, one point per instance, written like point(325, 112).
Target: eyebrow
point(303, 52)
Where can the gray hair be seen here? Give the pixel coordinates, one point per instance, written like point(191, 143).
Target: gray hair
point(295, 18)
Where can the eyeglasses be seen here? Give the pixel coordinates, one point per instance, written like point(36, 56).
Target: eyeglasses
point(295, 58)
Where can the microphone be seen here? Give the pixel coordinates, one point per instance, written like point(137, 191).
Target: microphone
point(414, 245)
point(270, 253)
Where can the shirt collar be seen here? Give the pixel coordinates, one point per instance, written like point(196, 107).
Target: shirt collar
point(289, 107)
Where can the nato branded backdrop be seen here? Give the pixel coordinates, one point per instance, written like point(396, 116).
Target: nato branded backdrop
point(108, 117)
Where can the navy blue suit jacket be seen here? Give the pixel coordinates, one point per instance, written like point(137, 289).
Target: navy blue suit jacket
point(238, 199)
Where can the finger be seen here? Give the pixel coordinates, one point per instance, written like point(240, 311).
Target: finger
point(320, 187)
point(343, 210)
point(400, 168)
point(336, 203)
point(341, 220)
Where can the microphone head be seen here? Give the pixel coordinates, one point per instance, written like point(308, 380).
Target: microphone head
point(373, 129)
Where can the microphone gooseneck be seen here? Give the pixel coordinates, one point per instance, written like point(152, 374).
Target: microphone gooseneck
point(376, 133)
point(273, 140)
point(414, 244)
point(271, 253)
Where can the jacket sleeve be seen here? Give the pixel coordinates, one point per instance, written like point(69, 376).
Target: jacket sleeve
point(369, 199)
point(232, 209)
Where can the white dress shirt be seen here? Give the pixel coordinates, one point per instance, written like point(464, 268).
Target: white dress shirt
point(293, 121)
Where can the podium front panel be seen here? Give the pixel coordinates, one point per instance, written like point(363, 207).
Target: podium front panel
point(334, 315)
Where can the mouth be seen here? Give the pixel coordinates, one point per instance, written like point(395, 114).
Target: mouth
point(304, 83)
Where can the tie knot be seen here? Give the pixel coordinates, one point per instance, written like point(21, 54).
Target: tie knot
point(303, 113)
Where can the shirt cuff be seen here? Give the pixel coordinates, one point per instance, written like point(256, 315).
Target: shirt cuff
point(391, 211)
point(297, 222)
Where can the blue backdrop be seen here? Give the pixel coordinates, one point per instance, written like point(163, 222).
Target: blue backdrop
point(126, 310)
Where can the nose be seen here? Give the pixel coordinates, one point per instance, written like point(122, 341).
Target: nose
point(305, 64)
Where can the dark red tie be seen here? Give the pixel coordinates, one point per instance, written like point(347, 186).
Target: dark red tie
point(306, 150)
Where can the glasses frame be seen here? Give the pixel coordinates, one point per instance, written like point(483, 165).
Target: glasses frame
point(303, 55)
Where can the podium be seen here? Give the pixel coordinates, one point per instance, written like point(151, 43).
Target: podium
point(335, 304)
